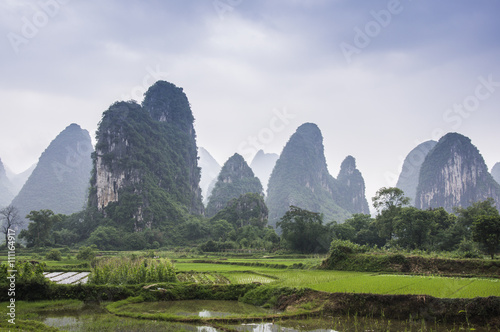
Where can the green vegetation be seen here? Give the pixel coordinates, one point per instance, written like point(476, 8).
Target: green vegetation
point(39, 229)
point(54, 255)
point(26, 272)
point(486, 231)
point(278, 282)
point(87, 253)
point(236, 178)
point(304, 231)
point(131, 270)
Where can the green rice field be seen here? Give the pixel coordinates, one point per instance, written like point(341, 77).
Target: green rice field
point(352, 282)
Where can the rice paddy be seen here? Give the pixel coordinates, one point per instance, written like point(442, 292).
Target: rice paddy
point(353, 282)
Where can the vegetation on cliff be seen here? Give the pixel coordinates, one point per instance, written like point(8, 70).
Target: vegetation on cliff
point(235, 178)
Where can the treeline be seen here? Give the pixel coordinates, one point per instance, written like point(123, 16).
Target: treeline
point(469, 232)
point(242, 224)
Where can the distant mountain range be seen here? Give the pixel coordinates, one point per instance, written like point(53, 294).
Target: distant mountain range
point(210, 169)
point(60, 180)
point(6, 187)
point(147, 172)
point(18, 180)
point(262, 165)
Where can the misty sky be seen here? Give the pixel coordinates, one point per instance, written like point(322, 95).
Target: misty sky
point(377, 77)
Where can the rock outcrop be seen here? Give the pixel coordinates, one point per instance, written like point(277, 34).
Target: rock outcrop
point(408, 178)
point(236, 178)
point(454, 174)
point(146, 161)
point(301, 178)
point(352, 187)
point(60, 181)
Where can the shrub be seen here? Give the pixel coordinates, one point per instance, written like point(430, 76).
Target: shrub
point(26, 272)
point(340, 249)
point(87, 253)
point(468, 249)
point(53, 255)
point(132, 270)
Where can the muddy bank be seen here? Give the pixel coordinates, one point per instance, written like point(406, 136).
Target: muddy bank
point(478, 311)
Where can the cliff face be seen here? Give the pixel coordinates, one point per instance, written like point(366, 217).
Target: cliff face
point(408, 179)
point(301, 178)
point(262, 165)
point(454, 174)
point(61, 178)
point(145, 165)
point(352, 187)
point(236, 178)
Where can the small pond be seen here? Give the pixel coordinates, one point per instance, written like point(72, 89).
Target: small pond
point(95, 318)
point(198, 308)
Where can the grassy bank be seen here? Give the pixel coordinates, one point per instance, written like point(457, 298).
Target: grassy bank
point(352, 258)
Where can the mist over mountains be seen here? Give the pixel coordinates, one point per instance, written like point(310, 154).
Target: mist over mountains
point(6, 190)
point(60, 180)
point(210, 169)
point(408, 178)
point(262, 165)
point(147, 171)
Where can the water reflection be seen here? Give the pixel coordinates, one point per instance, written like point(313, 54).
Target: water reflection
point(271, 327)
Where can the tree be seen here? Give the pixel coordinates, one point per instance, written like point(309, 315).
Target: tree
point(413, 227)
point(466, 218)
point(10, 220)
point(388, 202)
point(486, 230)
point(389, 199)
point(304, 231)
point(39, 229)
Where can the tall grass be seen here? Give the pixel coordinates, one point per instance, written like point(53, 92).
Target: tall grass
point(131, 270)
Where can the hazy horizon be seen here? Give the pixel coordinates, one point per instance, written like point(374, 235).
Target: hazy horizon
point(377, 77)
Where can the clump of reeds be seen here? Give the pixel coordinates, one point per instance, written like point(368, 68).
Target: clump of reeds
point(131, 270)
